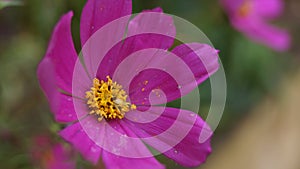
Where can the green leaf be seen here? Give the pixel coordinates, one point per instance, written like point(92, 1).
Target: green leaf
point(4, 4)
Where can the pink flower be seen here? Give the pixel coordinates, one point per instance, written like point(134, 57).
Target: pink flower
point(251, 18)
point(49, 155)
point(103, 121)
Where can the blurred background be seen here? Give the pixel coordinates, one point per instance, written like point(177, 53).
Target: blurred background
point(259, 128)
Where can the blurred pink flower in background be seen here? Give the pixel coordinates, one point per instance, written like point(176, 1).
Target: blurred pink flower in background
point(56, 71)
point(49, 155)
point(251, 17)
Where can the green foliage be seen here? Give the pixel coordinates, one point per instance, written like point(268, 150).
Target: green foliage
point(4, 4)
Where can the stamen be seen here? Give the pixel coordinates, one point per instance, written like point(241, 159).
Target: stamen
point(245, 8)
point(108, 100)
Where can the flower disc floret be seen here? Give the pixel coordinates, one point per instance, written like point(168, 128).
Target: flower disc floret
point(108, 100)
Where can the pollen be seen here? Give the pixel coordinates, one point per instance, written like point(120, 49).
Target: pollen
point(245, 8)
point(108, 100)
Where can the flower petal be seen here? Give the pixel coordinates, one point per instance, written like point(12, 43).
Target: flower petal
point(153, 22)
point(61, 54)
point(149, 29)
point(179, 134)
point(63, 108)
point(149, 87)
point(162, 73)
point(264, 33)
point(61, 105)
point(232, 6)
point(125, 151)
point(202, 59)
point(264, 9)
point(64, 158)
point(97, 13)
point(81, 141)
point(90, 137)
point(114, 138)
point(116, 162)
point(268, 9)
point(254, 24)
point(55, 72)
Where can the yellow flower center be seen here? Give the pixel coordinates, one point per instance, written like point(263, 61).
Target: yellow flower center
point(107, 100)
point(245, 8)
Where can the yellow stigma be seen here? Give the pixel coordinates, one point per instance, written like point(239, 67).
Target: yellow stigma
point(245, 8)
point(108, 100)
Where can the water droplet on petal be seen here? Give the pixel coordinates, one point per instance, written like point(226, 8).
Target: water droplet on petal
point(175, 151)
point(93, 149)
point(179, 87)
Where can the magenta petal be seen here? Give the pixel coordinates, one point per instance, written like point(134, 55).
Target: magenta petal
point(63, 108)
point(90, 137)
point(202, 59)
point(264, 33)
point(97, 13)
point(103, 24)
point(81, 141)
point(81, 81)
point(124, 49)
point(126, 149)
point(254, 22)
point(114, 138)
point(63, 158)
point(165, 76)
point(149, 29)
point(265, 9)
point(153, 22)
point(61, 54)
point(232, 6)
point(56, 71)
point(116, 162)
point(179, 134)
point(268, 9)
point(61, 105)
point(152, 91)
